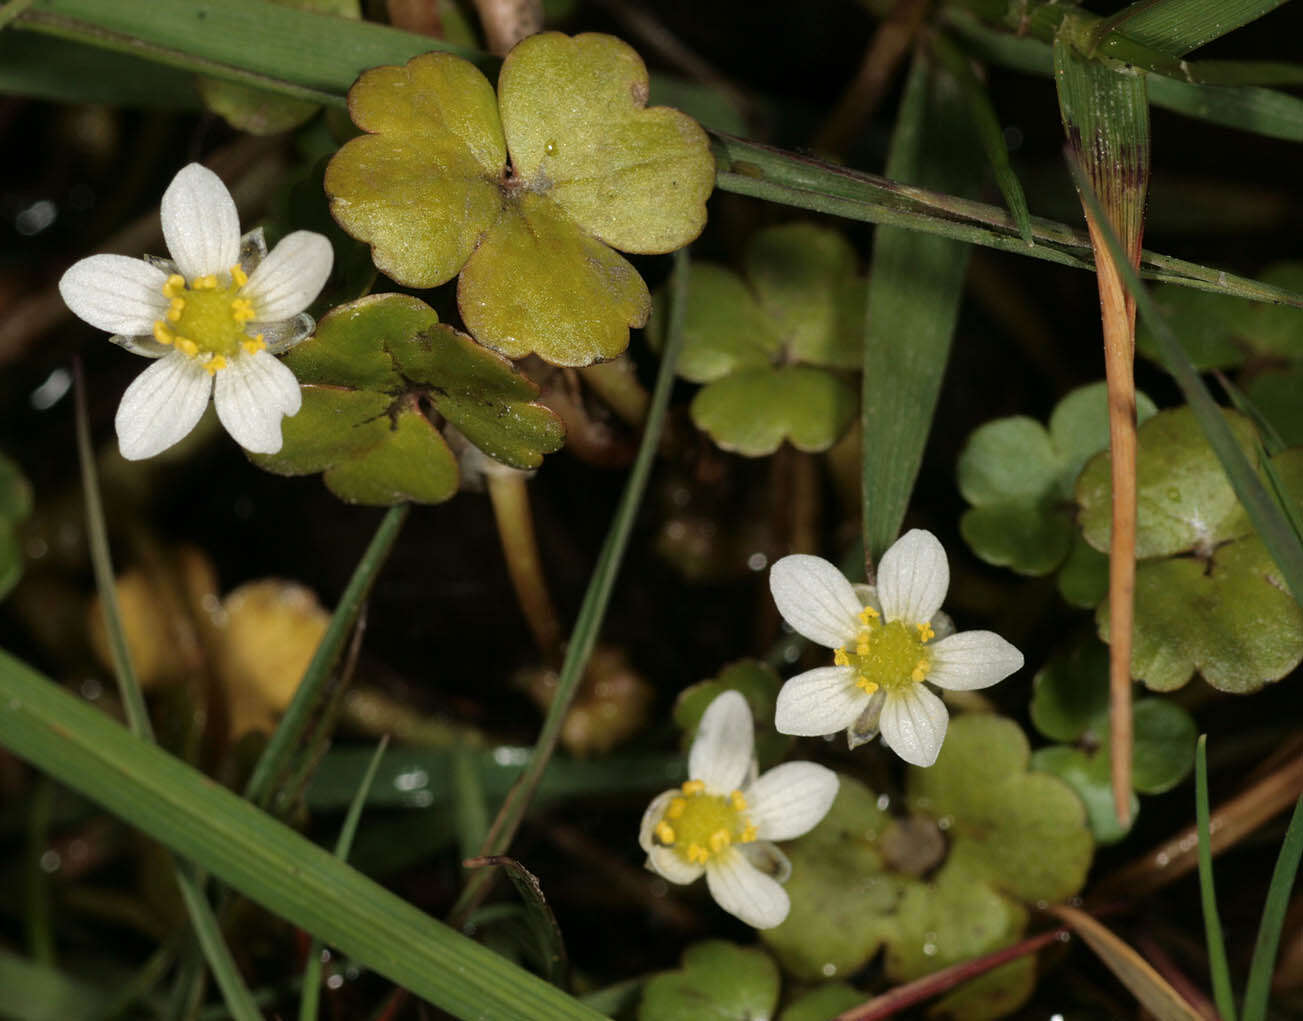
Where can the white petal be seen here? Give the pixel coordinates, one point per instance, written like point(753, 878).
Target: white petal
point(816, 599)
point(200, 223)
point(972, 659)
point(913, 578)
point(817, 702)
point(790, 799)
point(252, 394)
point(115, 293)
point(913, 724)
point(654, 814)
point(288, 280)
point(721, 751)
point(161, 406)
point(743, 890)
point(668, 865)
point(768, 859)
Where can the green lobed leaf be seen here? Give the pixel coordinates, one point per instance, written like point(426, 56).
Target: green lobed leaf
point(1019, 477)
point(1164, 745)
point(1083, 578)
point(1184, 500)
point(823, 1002)
point(754, 411)
point(719, 981)
point(1091, 778)
point(1276, 396)
point(1067, 696)
point(364, 374)
point(759, 684)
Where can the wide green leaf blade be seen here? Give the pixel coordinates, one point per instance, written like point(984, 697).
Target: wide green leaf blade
point(271, 864)
point(915, 285)
point(1178, 26)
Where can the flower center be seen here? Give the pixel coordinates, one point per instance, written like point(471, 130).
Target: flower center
point(700, 826)
point(887, 655)
point(206, 321)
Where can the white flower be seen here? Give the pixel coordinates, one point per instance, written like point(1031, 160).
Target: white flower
point(888, 641)
point(721, 821)
point(214, 314)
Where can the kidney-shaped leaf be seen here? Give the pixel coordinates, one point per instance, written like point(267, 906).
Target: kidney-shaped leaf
point(719, 981)
point(753, 412)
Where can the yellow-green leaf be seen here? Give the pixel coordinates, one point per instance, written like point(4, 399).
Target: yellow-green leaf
point(754, 411)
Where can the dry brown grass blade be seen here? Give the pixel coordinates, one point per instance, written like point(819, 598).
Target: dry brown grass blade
point(1106, 116)
point(1144, 983)
point(1228, 824)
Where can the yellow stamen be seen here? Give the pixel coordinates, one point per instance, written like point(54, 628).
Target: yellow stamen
point(242, 310)
point(862, 646)
point(719, 840)
point(698, 855)
point(868, 614)
point(253, 345)
point(215, 364)
point(162, 334)
point(238, 275)
point(208, 283)
point(665, 832)
point(175, 308)
point(865, 685)
point(187, 346)
point(174, 286)
point(840, 658)
point(693, 786)
point(676, 809)
point(925, 632)
point(748, 834)
point(920, 670)
point(739, 802)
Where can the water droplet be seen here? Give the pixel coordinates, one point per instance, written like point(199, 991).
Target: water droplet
point(945, 822)
point(91, 689)
point(550, 148)
point(334, 981)
point(884, 802)
point(829, 969)
point(412, 780)
point(505, 755)
point(1163, 859)
point(929, 949)
point(757, 561)
point(50, 861)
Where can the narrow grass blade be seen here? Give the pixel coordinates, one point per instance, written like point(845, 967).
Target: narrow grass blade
point(11, 10)
point(1271, 439)
point(1267, 519)
point(1153, 991)
point(312, 689)
point(986, 124)
point(312, 970)
point(550, 946)
point(1223, 990)
point(268, 862)
point(1229, 101)
point(202, 919)
point(1258, 988)
point(37, 916)
point(593, 609)
point(43, 67)
point(468, 803)
point(915, 286)
point(1106, 117)
point(1178, 26)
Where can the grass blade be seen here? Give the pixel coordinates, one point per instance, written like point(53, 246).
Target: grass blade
point(1223, 990)
point(64, 72)
point(915, 286)
point(268, 862)
point(593, 609)
point(551, 948)
point(1273, 919)
point(202, 918)
point(1267, 519)
point(276, 756)
point(312, 971)
point(1153, 991)
point(1178, 26)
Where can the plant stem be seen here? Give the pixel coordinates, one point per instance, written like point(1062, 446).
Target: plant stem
point(616, 383)
point(509, 493)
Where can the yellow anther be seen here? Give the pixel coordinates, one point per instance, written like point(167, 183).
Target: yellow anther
point(738, 801)
point(174, 286)
point(215, 364)
point(187, 346)
point(748, 834)
point(865, 685)
point(693, 786)
point(238, 275)
point(162, 334)
point(920, 670)
point(697, 854)
point(208, 283)
point(254, 344)
point(175, 308)
point(840, 658)
point(862, 647)
point(676, 808)
point(925, 632)
point(720, 840)
point(242, 310)
point(867, 614)
point(664, 832)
